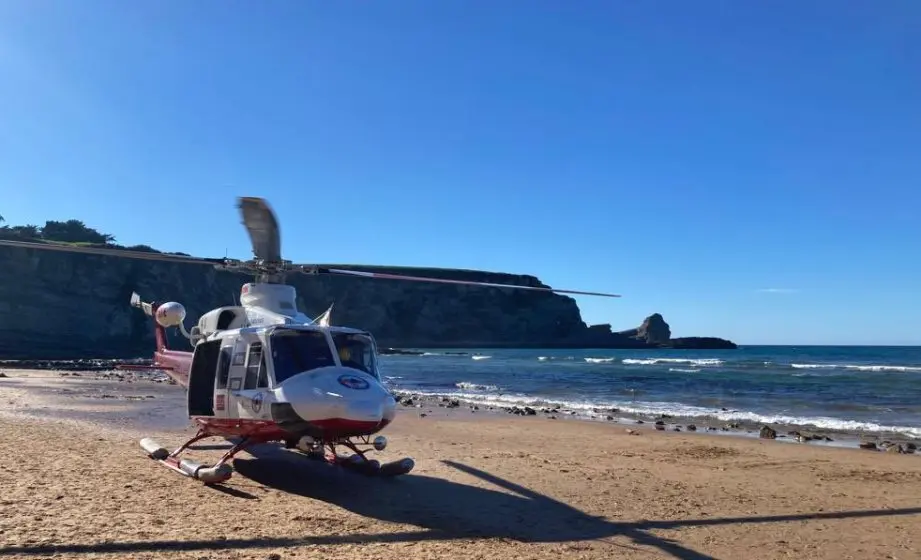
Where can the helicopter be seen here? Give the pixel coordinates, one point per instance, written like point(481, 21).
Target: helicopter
point(263, 372)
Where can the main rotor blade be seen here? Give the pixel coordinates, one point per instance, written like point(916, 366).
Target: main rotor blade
point(262, 226)
point(110, 252)
point(450, 281)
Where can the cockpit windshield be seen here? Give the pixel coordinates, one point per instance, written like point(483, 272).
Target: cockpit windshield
point(356, 351)
point(296, 351)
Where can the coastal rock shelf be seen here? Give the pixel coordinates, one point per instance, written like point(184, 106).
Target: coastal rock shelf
point(56, 305)
point(429, 405)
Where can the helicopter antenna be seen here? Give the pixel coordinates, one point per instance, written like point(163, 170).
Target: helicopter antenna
point(324, 318)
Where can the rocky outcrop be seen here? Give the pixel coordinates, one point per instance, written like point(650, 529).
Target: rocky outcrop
point(56, 305)
point(654, 330)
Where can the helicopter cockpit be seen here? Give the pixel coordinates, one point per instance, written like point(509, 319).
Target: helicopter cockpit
point(356, 351)
point(295, 351)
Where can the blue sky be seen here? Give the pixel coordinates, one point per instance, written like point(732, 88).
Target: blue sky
point(689, 155)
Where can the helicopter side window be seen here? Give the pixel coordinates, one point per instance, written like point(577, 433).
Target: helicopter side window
point(356, 351)
point(256, 375)
point(295, 351)
point(223, 367)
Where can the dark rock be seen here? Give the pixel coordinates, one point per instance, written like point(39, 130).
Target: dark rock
point(868, 445)
point(654, 330)
point(399, 352)
point(767, 433)
point(692, 428)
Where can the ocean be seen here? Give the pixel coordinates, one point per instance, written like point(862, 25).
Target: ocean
point(848, 389)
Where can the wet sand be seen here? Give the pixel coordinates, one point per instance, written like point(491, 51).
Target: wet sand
point(75, 484)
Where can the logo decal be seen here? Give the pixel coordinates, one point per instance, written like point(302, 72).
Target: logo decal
point(353, 382)
point(257, 403)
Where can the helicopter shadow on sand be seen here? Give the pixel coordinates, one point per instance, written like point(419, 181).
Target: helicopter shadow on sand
point(452, 510)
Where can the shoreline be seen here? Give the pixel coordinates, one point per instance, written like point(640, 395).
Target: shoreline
point(786, 433)
point(103, 369)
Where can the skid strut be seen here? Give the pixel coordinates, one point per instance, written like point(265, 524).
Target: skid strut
point(219, 472)
point(359, 462)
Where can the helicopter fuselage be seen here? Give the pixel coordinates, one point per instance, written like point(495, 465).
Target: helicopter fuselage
point(283, 382)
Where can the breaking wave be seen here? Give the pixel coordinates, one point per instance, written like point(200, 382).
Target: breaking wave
point(860, 367)
point(656, 361)
point(475, 386)
point(675, 410)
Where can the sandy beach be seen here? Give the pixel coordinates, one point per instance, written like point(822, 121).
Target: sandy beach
point(77, 485)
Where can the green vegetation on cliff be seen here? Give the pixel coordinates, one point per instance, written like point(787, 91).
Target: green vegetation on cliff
point(73, 232)
point(70, 231)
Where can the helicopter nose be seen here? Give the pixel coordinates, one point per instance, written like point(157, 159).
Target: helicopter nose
point(334, 402)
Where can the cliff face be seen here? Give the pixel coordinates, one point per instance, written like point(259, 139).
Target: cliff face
point(57, 305)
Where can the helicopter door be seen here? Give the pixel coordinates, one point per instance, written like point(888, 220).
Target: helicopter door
point(255, 383)
point(225, 358)
point(247, 380)
point(200, 397)
point(235, 374)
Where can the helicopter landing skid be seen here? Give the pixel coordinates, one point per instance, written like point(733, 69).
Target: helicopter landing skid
point(373, 467)
point(213, 474)
point(359, 462)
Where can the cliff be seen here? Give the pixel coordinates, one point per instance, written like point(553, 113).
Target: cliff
point(56, 305)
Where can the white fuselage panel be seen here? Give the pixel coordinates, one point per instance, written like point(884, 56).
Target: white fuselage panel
point(337, 393)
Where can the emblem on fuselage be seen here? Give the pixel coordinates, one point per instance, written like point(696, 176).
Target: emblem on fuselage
point(256, 403)
point(353, 382)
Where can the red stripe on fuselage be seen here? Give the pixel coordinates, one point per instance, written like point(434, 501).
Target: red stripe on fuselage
point(265, 430)
point(268, 430)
